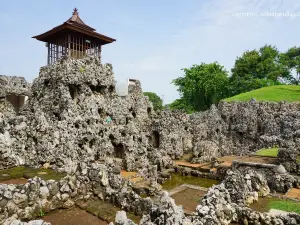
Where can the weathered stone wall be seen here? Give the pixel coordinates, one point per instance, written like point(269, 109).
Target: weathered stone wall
point(288, 158)
point(25, 202)
point(223, 204)
point(233, 128)
point(74, 114)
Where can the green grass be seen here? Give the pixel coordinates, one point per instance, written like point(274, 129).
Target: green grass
point(285, 205)
point(277, 93)
point(267, 152)
point(267, 203)
point(271, 152)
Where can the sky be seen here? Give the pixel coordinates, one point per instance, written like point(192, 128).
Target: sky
point(155, 39)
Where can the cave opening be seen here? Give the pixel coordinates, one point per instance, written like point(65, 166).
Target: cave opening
point(17, 101)
point(119, 151)
point(155, 139)
point(98, 89)
point(74, 89)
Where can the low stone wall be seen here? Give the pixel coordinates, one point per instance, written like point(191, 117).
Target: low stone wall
point(250, 216)
point(288, 158)
point(223, 204)
point(276, 175)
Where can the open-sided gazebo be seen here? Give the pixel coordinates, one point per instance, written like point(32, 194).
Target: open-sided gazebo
point(74, 39)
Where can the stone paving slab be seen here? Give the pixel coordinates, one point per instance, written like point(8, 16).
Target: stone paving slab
point(188, 164)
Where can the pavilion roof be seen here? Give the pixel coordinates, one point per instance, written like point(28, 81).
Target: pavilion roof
point(74, 23)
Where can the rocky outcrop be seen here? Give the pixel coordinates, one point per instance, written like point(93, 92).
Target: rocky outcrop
point(277, 178)
point(13, 85)
point(288, 158)
point(239, 128)
point(74, 114)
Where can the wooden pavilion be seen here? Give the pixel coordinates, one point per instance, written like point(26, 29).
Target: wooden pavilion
point(73, 39)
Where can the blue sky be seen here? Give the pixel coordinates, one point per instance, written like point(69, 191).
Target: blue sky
point(155, 39)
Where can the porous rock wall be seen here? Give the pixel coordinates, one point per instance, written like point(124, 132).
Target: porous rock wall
point(74, 114)
point(223, 204)
point(93, 181)
point(233, 128)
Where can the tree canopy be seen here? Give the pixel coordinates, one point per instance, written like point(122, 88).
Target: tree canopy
point(180, 104)
point(202, 85)
point(157, 102)
point(206, 84)
point(258, 68)
point(291, 59)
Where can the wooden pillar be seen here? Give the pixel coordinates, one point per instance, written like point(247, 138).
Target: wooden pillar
point(48, 58)
point(69, 45)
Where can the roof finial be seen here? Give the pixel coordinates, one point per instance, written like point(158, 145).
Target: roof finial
point(75, 11)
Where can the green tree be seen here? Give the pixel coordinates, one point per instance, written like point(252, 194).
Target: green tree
point(181, 105)
point(291, 59)
point(155, 99)
point(258, 68)
point(202, 85)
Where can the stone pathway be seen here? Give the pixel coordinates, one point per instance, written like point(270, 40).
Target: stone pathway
point(204, 167)
point(226, 161)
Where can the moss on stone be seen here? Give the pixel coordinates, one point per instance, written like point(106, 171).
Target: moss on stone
point(27, 172)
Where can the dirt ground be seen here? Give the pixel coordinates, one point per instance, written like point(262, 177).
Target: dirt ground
point(74, 216)
point(188, 198)
point(294, 193)
point(14, 181)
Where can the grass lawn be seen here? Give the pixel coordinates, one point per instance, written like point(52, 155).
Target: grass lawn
point(267, 203)
point(277, 93)
point(271, 152)
point(267, 152)
point(285, 205)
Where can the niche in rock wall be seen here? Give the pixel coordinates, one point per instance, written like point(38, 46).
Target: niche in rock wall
point(173, 142)
point(74, 90)
point(149, 111)
point(119, 151)
point(92, 143)
point(57, 116)
point(134, 114)
point(111, 89)
point(98, 89)
point(17, 101)
point(154, 139)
